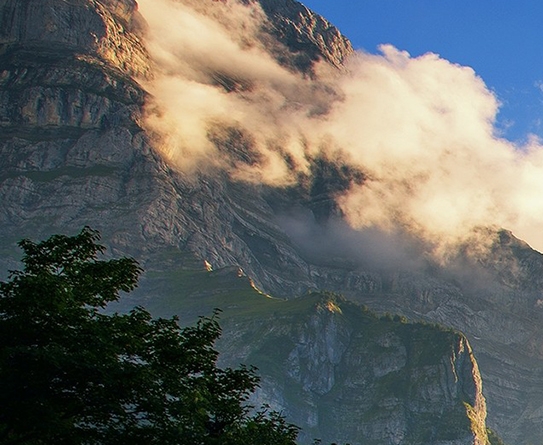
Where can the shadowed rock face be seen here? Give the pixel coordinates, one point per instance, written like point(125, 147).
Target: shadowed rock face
point(349, 377)
point(308, 36)
point(73, 153)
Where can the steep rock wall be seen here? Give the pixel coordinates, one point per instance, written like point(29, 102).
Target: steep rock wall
point(346, 376)
point(74, 152)
point(92, 28)
point(308, 36)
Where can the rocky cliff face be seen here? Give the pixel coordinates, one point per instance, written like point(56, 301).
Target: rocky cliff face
point(74, 153)
point(308, 36)
point(101, 29)
point(347, 376)
point(69, 109)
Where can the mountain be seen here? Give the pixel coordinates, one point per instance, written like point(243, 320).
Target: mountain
point(76, 88)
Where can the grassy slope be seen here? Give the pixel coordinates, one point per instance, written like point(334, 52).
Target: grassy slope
point(265, 326)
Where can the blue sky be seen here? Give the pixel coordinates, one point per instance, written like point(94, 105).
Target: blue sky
point(502, 40)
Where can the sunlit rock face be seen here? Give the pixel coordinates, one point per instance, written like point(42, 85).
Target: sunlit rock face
point(100, 28)
point(75, 151)
point(68, 67)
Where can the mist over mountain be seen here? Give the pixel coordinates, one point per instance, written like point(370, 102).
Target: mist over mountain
point(250, 135)
point(420, 129)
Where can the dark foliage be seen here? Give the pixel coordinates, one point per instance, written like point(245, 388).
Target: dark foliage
point(72, 374)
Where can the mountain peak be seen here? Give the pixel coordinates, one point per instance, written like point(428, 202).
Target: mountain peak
point(309, 36)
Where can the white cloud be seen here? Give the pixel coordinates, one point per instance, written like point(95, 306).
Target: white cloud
point(422, 129)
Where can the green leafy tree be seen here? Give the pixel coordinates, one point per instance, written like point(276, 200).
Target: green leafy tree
point(72, 374)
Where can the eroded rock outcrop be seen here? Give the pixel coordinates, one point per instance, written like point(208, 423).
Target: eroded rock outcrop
point(347, 376)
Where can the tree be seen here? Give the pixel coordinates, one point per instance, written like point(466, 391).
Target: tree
point(72, 374)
